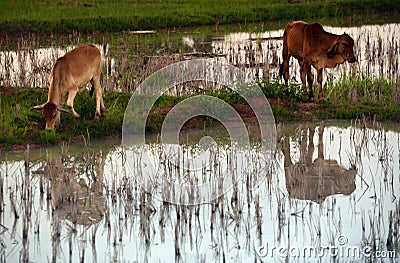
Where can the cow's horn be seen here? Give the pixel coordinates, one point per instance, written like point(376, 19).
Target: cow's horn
point(61, 109)
point(38, 107)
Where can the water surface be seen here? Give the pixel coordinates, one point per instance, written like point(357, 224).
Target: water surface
point(130, 57)
point(331, 185)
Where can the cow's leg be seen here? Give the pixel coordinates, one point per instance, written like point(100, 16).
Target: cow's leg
point(286, 70)
point(99, 97)
point(320, 142)
point(70, 101)
point(285, 63)
point(302, 73)
point(57, 121)
point(310, 147)
point(319, 79)
point(286, 152)
point(310, 79)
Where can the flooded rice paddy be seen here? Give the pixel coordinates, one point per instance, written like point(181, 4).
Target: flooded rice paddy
point(130, 57)
point(331, 195)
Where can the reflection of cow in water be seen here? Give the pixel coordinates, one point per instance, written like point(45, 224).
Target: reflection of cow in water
point(318, 179)
point(76, 198)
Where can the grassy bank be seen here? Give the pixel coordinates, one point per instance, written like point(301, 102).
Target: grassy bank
point(349, 99)
point(19, 125)
point(55, 16)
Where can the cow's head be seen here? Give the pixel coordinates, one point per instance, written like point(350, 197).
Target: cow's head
point(343, 47)
point(51, 113)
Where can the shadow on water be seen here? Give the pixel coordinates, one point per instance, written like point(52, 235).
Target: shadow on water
point(81, 202)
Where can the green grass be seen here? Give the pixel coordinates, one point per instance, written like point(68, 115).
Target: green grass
point(292, 92)
point(48, 16)
point(371, 97)
point(20, 125)
point(350, 98)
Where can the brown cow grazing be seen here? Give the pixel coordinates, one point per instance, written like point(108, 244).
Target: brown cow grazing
point(310, 44)
point(69, 76)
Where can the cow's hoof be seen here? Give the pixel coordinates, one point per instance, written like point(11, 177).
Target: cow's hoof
point(77, 116)
point(96, 118)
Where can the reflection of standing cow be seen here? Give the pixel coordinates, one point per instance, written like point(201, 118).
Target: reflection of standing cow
point(315, 180)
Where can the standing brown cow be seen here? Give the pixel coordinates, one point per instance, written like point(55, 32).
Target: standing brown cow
point(69, 75)
point(310, 44)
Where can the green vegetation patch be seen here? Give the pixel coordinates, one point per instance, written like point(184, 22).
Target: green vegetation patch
point(53, 16)
point(351, 98)
point(20, 125)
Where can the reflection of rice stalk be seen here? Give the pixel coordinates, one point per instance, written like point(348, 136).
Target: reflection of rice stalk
point(235, 216)
point(163, 80)
point(393, 239)
point(174, 173)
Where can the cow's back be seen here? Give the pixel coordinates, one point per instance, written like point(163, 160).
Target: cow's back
point(293, 36)
point(78, 66)
point(316, 38)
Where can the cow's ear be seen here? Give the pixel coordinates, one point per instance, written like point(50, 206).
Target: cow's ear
point(62, 110)
point(332, 51)
point(38, 107)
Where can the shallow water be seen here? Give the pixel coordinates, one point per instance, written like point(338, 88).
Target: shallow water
point(332, 193)
point(130, 57)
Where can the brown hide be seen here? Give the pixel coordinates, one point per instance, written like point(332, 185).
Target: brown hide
point(318, 179)
point(310, 44)
point(69, 76)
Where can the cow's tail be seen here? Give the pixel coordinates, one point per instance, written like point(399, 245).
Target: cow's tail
point(285, 53)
